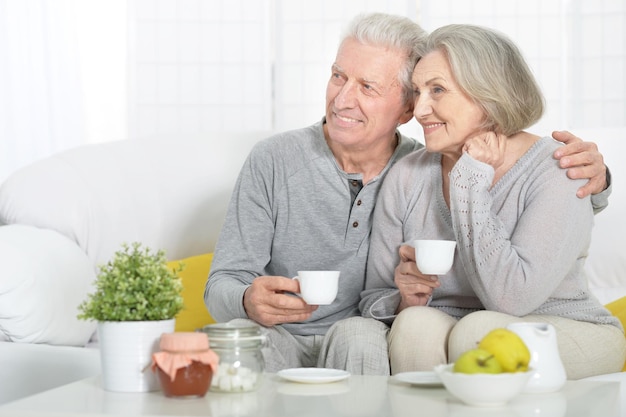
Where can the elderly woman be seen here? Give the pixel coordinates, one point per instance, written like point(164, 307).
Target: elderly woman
point(522, 234)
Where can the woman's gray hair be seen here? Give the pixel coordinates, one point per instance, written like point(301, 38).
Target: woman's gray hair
point(391, 31)
point(492, 71)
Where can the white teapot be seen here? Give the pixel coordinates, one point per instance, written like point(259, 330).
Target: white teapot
point(549, 372)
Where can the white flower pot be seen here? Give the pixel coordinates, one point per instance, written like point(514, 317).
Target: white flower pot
point(126, 349)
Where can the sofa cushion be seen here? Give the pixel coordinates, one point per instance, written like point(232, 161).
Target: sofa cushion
point(194, 314)
point(45, 276)
point(606, 263)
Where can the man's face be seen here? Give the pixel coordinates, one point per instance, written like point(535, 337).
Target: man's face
point(364, 100)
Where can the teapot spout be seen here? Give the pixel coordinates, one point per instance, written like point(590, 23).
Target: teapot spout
point(543, 328)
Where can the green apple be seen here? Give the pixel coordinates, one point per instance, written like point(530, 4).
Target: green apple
point(508, 348)
point(477, 361)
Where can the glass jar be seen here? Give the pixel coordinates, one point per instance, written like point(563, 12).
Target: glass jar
point(185, 365)
point(241, 362)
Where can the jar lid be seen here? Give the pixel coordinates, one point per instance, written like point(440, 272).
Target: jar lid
point(239, 333)
point(184, 341)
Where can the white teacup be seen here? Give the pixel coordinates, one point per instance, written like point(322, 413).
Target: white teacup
point(318, 287)
point(434, 257)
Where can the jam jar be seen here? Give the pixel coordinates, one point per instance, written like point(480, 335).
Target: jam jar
point(185, 365)
point(241, 362)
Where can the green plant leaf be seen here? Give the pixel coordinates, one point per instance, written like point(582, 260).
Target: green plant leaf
point(135, 285)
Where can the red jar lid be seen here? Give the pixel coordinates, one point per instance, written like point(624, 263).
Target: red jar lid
point(184, 341)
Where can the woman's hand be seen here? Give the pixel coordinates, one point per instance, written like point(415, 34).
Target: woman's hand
point(487, 147)
point(415, 288)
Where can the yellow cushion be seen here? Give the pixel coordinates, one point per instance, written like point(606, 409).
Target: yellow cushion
point(618, 309)
point(194, 314)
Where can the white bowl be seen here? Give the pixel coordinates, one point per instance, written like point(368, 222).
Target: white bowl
point(485, 390)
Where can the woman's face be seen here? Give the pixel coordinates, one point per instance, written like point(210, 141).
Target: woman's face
point(447, 115)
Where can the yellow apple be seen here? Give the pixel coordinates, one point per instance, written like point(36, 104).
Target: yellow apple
point(477, 361)
point(508, 348)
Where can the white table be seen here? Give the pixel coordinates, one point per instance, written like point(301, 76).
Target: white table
point(357, 396)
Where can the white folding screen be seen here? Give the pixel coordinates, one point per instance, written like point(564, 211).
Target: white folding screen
point(596, 59)
point(198, 66)
point(208, 65)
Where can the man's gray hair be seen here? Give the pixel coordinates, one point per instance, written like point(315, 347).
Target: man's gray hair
point(394, 32)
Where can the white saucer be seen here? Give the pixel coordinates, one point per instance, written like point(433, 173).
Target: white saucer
point(423, 379)
point(308, 390)
point(313, 375)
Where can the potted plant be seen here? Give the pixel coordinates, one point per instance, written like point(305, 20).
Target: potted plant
point(135, 301)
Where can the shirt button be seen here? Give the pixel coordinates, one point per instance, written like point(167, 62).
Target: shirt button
point(358, 203)
point(355, 224)
point(355, 183)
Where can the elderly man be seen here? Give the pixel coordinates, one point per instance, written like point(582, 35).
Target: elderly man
point(304, 201)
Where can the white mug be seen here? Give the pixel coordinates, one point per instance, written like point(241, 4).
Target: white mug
point(318, 287)
point(434, 257)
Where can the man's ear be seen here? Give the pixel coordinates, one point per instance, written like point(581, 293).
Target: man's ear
point(406, 116)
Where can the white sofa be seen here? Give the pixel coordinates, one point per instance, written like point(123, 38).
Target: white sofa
point(65, 215)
